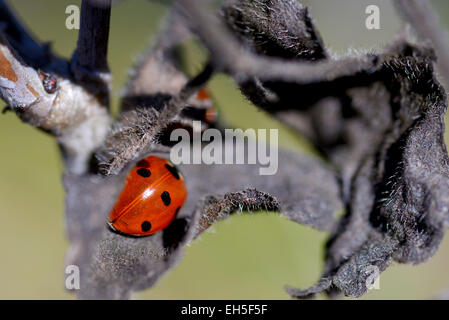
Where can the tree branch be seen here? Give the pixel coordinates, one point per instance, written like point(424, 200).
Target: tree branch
point(230, 56)
point(20, 85)
point(89, 61)
point(52, 101)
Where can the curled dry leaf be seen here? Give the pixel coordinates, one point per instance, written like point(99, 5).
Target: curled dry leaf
point(383, 129)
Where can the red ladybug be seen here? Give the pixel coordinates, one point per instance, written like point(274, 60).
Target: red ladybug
point(154, 193)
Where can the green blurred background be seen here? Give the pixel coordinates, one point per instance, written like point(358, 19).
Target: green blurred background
point(245, 257)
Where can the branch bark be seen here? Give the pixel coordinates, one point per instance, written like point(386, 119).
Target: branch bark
point(52, 100)
point(89, 61)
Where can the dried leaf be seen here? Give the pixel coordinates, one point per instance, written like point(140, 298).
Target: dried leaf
point(114, 265)
point(381, 126)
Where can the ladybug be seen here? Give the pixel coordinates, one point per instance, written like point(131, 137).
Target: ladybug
point(154, 193)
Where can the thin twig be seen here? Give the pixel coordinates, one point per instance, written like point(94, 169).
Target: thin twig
point(89, 62)
point(93, 37)
point(230, 56)
point(180, 101)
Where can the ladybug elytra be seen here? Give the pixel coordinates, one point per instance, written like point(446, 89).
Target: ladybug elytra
point(154, 193)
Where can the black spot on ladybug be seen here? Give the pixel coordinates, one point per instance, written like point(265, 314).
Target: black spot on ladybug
point(146, 226)
point(143, 163)
point(173, 170)
point(144, 172)
point(177, 211)
point(165, 196)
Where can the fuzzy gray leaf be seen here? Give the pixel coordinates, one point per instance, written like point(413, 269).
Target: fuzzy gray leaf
point(114, 265)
